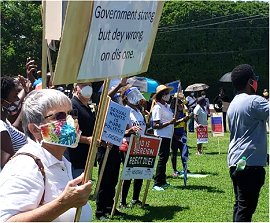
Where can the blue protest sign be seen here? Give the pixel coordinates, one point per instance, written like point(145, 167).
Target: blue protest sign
point(115, 124)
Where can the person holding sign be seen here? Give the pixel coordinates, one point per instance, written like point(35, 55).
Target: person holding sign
point(36, 184)
point(163, 125)
point(137, 125)
point(86, 119)
point(106, 193)
point(200, 117)
point(179, 140)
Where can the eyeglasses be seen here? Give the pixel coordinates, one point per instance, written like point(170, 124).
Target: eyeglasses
point(63, 115)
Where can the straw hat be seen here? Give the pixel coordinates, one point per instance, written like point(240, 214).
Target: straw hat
point(161, 88)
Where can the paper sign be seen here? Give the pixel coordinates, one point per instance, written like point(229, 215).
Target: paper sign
point(217, 124)
point(113, 39)
point(140, 158)
point(202, 134)
point(115, 124)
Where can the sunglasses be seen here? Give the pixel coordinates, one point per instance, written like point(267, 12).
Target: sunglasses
point(63, 115)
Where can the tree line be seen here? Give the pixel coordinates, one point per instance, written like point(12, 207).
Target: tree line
point(197, 41)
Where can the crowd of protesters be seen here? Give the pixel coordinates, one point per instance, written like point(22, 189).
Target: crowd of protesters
point(40, 128)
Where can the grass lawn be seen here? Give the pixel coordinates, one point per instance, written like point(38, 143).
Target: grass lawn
point(208, 199)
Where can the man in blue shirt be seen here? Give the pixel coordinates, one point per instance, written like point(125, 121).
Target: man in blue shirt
point(247, 115)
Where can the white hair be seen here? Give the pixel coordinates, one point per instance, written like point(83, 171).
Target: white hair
point(37, 104)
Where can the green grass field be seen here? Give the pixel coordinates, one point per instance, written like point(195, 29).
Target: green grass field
point(208, 199)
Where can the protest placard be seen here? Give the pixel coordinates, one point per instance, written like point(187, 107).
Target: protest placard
point(115, 123)
point(106, 39)
point(202, 134)
point(140, 158)
point(217, 124)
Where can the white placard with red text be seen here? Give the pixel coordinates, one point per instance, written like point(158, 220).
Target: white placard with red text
point(140, 158)
point(202, 134)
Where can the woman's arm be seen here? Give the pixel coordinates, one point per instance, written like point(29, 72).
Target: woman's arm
point(7, 150)
point(159, 125)
point(72, 196)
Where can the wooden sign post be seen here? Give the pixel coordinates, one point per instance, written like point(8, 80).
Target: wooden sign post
point(97, 47)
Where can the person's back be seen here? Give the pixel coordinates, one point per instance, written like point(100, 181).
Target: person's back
point(247, 115)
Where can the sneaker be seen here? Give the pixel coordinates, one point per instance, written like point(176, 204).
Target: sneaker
point(116, 212)
point(181, 172)
point(175, 174)
point(138, 202)
point(102, 218)
point(158, 188)
point(123, 205)
point(166, 185)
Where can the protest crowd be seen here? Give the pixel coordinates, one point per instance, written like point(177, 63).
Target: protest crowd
point(46, 133)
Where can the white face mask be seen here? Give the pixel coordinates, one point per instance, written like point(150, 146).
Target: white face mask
point(166, 97)
point(192, 94)
point(204, 96)
point(87, 91)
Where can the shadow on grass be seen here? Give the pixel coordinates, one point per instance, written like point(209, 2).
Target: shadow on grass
point(215, 153)
point(200, 172)
point(200, 187)
point(160, 213)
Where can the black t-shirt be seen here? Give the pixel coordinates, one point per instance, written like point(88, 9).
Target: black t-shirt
point(86, 119)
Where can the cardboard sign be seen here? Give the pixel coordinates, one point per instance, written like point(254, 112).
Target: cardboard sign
point(115, 124)
point(140, 158)
point(106, 39)
point(202, 134)
point(217, 124)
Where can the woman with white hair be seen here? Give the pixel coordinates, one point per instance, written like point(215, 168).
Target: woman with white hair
point(36, 184)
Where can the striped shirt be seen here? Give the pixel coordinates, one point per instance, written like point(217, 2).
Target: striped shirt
point(18, 138)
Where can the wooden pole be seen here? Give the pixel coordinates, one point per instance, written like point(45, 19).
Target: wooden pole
point(44, 48)
point(93, 146)
point(116, 198)
point(146, 192)
point(108, 148)
point(50, 63)
point(218, 145)
point(176, 101)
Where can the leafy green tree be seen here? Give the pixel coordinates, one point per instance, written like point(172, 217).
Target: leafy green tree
point(201, 41)
point(197, 41)
point(21, 35)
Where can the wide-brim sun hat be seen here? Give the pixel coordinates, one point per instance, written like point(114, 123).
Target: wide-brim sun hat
point(161, 88)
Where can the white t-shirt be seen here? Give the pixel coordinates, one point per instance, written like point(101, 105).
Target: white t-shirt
point(22, 185)
point(18, 138)
point(202, 116)
point(136, 119)
point(163, 113)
